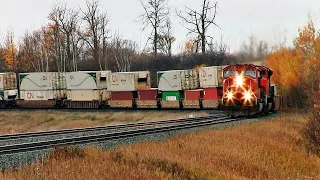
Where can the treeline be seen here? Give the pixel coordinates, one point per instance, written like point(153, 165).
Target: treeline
point(82, 39)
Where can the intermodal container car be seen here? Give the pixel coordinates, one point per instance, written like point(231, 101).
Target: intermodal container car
point(171, 99)
point(147, 98)
point(122, 99)
point(192, 99)
point(211, 98)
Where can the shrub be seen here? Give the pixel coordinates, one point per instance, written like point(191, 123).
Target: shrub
point(313, 126)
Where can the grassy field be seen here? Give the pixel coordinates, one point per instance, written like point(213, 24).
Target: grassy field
point(26, 121)
point(273, 149)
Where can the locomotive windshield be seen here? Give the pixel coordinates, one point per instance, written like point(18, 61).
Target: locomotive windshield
point(228, 73)
point(250, 73)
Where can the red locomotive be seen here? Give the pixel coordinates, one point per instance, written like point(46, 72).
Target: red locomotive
point(247, 90)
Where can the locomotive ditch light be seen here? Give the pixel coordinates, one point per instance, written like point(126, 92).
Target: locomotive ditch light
point(247, 96)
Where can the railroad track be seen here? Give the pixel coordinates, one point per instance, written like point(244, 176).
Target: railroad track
point(158, 127)
point(106, 110)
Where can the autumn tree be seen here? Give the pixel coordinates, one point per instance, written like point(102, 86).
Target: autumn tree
point(296, 70)
point(2, 60)
point(156, 13)
point(308, 46)
point(35, 52)
point(10, 52)
point(198, 22)
point(191, 46)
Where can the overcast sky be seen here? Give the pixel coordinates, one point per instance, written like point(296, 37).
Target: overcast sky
point(270, 20)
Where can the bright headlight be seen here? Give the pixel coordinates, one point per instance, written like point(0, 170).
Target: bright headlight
point(247, 96)
point(239, 80)
point(229, 95)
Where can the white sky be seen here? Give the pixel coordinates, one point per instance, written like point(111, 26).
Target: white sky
point(270, 20)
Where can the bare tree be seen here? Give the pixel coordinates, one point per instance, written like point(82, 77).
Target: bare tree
point(217, 47)
point(166, 39)
point(156, 12)
point(200, 21)
point(96, 30)
point(66, 28)
point(124, 52)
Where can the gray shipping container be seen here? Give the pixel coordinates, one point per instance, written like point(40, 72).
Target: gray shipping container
point(190, 79)
point(8, 81)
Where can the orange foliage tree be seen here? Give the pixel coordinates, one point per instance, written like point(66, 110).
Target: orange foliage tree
point(10, 53)
point(296, 69)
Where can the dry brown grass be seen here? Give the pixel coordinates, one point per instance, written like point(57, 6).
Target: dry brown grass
point(266, 150)
point(25, 121)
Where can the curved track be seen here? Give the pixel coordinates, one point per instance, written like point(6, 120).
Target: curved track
point(156, 127)
point(99, 128)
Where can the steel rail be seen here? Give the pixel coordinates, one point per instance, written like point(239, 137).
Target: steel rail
point(19, 148)
point(98, 128)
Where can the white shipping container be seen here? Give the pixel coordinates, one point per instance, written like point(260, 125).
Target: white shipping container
point(82, 80)
point(36, 95)
point(123, 81)
point(40, 81)
point(8, 81)
point(210, 77)
point(169, 80)
point(83, 95)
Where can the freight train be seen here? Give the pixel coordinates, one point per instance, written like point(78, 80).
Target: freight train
point(203, 88)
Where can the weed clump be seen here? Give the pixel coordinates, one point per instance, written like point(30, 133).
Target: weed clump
point(66, 153)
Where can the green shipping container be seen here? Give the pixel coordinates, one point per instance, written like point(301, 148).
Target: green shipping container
point(172, 95)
